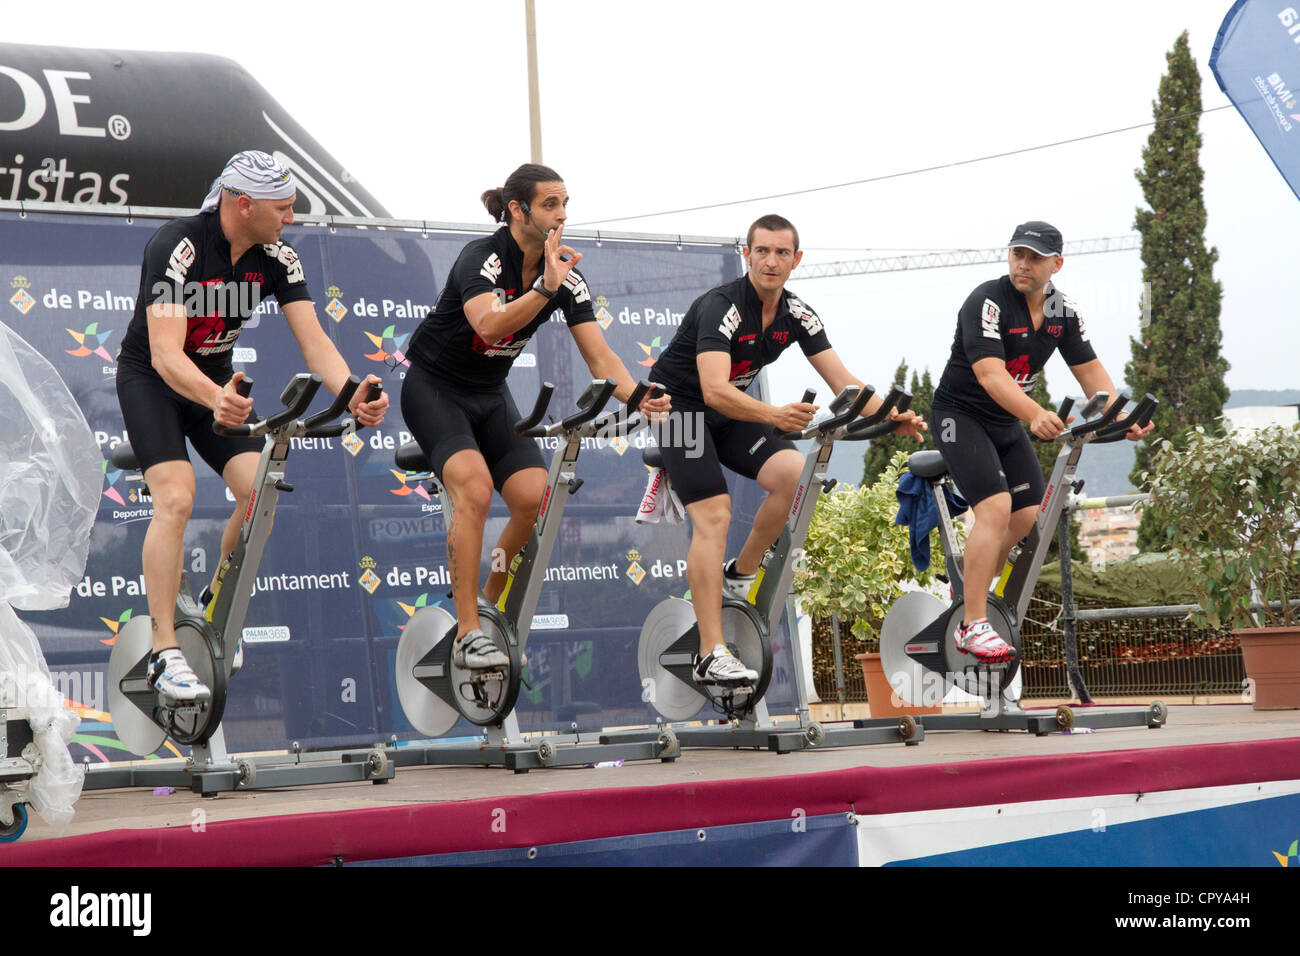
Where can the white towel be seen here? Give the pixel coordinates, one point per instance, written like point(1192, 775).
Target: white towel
point(659, 501)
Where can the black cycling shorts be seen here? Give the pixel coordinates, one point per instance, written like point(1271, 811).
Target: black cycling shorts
point(986, 459)
point(158, 420)
point(697, 441)
point(445, 419)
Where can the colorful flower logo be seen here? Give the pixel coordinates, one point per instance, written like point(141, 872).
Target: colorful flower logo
point(389, 344)
point(111, 476)
point(651, 351)
point(410, 609)
point(91, 341)
point(115, 626)
point(406, 489)
point(1291, 854)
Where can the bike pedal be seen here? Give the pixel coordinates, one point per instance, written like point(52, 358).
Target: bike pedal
point(183, 709)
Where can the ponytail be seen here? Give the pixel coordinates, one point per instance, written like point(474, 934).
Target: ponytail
point(521, 185)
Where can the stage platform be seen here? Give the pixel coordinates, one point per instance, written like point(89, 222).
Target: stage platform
point(1219, 784)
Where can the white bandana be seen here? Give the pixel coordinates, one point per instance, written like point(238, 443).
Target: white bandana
point(254, 174)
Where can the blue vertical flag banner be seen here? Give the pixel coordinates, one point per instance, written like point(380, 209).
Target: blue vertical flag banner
point(1256, 59)
point(358, 547)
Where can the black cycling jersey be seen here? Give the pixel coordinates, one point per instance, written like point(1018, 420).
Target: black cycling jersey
point(730, 319)
point(188, 262)
point(447, 345)
point(994, 322)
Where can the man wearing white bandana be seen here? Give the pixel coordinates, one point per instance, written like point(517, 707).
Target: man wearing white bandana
point(202, 278)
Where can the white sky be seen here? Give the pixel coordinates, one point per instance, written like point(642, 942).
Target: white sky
point(650, 107)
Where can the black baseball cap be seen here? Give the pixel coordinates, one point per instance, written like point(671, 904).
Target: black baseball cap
point(1044, 238)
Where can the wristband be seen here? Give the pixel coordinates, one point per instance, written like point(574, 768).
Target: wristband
point(540, 288)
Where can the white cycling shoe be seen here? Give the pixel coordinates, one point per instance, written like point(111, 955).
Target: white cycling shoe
point(721, 667)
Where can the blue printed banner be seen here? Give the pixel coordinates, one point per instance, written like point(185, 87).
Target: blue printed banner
point(1256, 59)
point(358, 547)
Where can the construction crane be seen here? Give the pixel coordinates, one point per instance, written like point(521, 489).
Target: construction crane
point(954, 257)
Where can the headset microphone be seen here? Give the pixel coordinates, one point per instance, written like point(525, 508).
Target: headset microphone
point(528, 214)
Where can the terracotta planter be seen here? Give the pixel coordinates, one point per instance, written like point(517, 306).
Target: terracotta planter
point(881, 699)
point(1272, 659)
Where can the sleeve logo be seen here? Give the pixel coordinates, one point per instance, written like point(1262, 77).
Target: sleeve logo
point(807, 317)
point(577, 285)
point(1072, 311)
point(181, 260)
point(287, 257)
point(730, 322)
point(990, 315)
point(491, 268)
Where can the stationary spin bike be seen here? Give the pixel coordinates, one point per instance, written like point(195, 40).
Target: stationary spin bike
point(917, 649)
point(435, 692)
point(209, 636)
point(670, 636)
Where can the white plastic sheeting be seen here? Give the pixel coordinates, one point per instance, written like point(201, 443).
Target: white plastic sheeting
point(51, 472)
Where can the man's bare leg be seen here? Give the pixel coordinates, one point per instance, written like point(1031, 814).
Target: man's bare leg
point(171, 487)
point(710, 518)
point(779, 477)
point(522, 493)
point(468, 482)
point(983, 546)
point(238, 475)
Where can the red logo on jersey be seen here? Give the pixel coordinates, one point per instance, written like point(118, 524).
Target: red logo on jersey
point(780, 337)
point(747, 338)
point(1055, 331)
point(483, 348)
point(740, 368)
point(253, 277)
point(1019, 369)
point(204, 330)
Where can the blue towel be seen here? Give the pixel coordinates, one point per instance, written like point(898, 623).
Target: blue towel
point(916, 509)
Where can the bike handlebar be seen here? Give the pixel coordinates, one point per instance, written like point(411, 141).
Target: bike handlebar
point(335, 429)
point(1063, 413)
point(878, 422)
point(316, 426)
point(856, 400)
point(297, 396)
point(604, 391)
point(1088, 427)
point(1140, 417)
point(808, 395)
point(244, 388)
point(625, 419)
point(528, 426)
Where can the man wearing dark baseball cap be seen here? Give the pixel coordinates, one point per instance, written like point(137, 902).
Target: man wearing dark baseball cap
point(1042, 237)
point(1007, 329)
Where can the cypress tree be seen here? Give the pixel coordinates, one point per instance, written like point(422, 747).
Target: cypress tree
point(881, 450)
point(1177, 354)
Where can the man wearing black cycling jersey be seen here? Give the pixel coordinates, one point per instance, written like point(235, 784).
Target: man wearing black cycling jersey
point(1006, 331)
point(501, 289)
point(725, 339)
point(202, 278)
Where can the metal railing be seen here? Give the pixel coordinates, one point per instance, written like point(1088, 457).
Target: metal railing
point(1128, 656)
point(1074, 652)
point(1139, 656)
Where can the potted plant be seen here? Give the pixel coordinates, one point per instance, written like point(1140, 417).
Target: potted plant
point(855, 563)
point(1231, 507)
